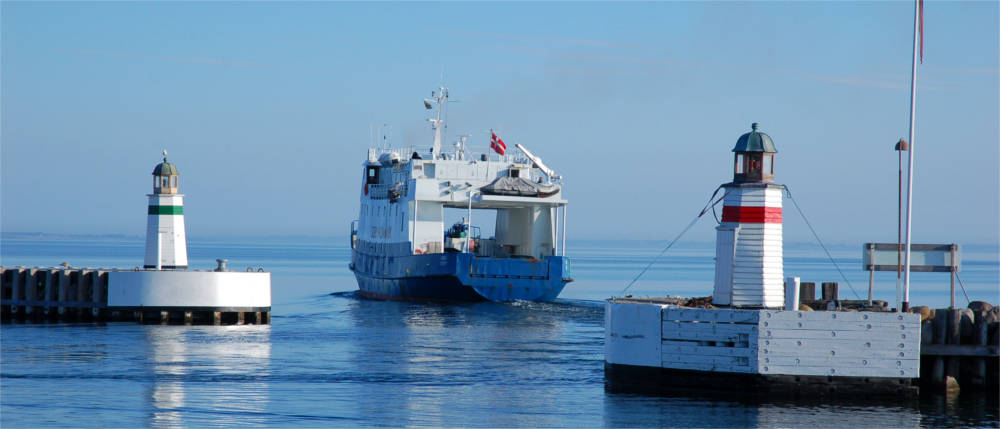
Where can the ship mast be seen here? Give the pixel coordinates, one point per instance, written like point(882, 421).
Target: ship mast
point(441, 98)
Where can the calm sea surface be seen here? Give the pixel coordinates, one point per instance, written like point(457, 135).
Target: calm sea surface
point(331, 359)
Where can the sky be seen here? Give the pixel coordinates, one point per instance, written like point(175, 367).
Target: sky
point(266, 109)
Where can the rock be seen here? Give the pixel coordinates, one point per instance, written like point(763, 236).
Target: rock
point(980, 306)
point(993, 315)
point(951, 385)
point(804, 307)
point(923, 310)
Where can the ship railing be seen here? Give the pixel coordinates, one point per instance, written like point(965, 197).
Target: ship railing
point(390, 191)
point(489, 247)
point(405, 152)
point(513, 156)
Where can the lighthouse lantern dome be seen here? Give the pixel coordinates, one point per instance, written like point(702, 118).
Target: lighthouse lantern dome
point(165, 177)
point(753, 159)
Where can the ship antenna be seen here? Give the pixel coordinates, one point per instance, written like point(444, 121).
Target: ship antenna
point(441, 98)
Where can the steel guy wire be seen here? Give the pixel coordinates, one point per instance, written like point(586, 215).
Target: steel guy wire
point(709, 205)
point(789, 193)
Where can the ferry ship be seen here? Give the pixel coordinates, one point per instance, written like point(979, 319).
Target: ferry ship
point(404, 247)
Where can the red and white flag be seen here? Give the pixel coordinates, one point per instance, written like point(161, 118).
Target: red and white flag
point(497, 144)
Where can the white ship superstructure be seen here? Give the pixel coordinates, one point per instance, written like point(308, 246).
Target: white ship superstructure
point(405, 248)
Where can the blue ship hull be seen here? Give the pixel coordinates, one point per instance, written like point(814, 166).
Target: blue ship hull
point(459, 277)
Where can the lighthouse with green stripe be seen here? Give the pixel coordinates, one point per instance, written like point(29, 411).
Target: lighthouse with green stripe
point(748, 249)
point(166, 245)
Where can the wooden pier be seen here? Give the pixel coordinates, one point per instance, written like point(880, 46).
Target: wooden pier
point(62, 294)
point(959, 347)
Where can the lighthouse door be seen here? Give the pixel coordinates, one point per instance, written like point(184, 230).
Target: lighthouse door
point(725, 249)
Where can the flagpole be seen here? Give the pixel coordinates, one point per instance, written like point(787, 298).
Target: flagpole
point(909, 180)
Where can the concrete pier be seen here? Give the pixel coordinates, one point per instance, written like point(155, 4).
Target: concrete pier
point(56, 294)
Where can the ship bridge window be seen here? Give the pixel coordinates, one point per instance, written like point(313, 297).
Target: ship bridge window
point(515, 172)
point(372, 175)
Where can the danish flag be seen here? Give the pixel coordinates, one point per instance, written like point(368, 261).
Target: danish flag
point(497, 144)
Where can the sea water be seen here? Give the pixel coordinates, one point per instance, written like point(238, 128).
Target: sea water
point(330, 358)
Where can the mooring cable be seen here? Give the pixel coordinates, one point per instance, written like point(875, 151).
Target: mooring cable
point(709, 205)
point(789, 193)
point(963, 288)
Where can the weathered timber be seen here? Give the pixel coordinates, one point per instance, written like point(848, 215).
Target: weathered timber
point(959, 351)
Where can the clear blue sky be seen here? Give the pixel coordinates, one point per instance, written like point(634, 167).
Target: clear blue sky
point(265, 108)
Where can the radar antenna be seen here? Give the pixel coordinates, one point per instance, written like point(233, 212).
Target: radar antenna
point(439, 97)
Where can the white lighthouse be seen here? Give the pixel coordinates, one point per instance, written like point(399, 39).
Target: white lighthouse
point(748, 259)
point(166, 246)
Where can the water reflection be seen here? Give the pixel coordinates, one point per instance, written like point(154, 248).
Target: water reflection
point(632, 410)
point(436, 360)
point(207, 374)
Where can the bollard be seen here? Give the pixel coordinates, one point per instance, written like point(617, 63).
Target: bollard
point(807, 291)
point(831, 291)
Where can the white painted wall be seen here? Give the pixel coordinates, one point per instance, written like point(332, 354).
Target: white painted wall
point(530, 229)
point(779, 342)
point(749, 269)
point(173, 241)
point(188, 289)
point(429, 226)
point(632, 333)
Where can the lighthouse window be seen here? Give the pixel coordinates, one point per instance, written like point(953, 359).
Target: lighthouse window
point(768, 164)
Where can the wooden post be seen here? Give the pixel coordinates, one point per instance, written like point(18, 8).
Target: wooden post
point(940, 326)
point(216, 317)
point(871, 272)
point(72, 285)
point(952, 276)
point(30, 285)
point(979, 330)
point(47, 308)
point(954, 337)
point(240, 318)
point(830, 291)
point(807, 291)
point(64, 281)
point(188, 317)
point(17, 292)
point(52, 293)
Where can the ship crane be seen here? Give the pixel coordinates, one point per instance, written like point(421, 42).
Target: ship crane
point(538, 163)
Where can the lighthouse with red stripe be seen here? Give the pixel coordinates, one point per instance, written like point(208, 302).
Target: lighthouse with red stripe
point(748, 250)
